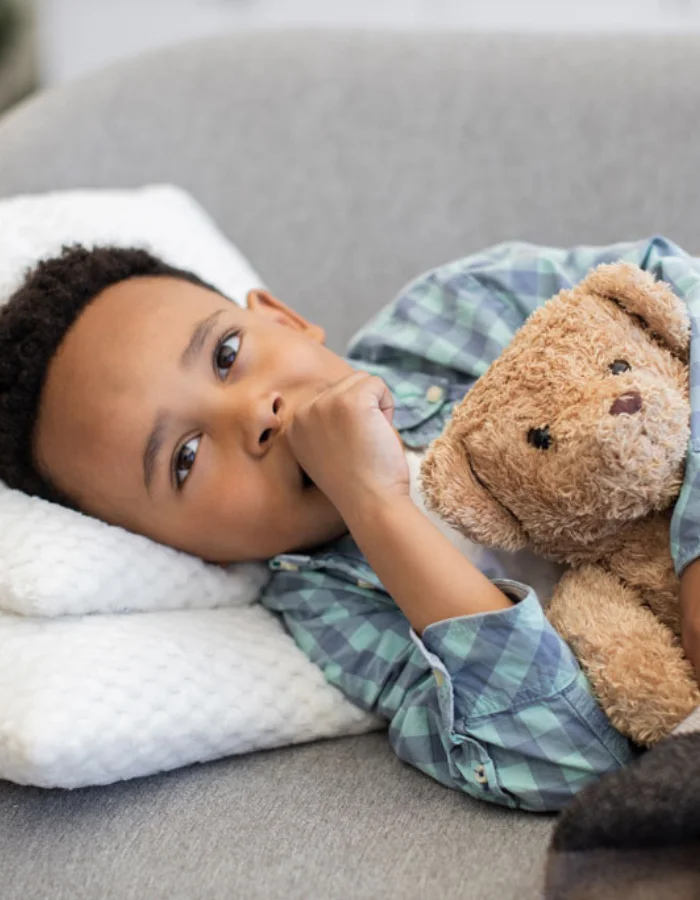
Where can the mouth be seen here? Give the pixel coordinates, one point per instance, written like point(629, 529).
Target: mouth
point(306, 482)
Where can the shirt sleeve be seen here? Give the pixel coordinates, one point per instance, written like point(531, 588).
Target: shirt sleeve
point(459, 317)
point(494, 705)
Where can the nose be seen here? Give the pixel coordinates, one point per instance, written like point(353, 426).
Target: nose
point(268, 424)
point(257, 421)
point(629, 403)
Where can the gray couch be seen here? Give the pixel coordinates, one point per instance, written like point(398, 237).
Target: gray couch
point(344, 164)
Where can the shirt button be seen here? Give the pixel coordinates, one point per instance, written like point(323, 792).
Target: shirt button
point(434, 393)
point(364, 584)
point(480, 774)
point(438, 677)
point(288, 566)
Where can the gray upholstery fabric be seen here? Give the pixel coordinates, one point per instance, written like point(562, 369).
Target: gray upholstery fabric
point(346, 163)
point(343, 165)
point(335, 820)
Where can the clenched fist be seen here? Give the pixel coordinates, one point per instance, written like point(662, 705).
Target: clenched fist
point(345, 442)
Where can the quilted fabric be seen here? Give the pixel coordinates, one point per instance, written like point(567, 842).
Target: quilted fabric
point(194, 671)
point(56, 562)
point(95, 699)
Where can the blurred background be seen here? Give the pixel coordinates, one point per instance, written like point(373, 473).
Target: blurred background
point(45, 42)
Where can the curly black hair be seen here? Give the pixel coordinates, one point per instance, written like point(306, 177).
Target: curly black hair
point(34, 322)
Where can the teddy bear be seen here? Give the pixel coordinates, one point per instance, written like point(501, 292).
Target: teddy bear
point(573, 444)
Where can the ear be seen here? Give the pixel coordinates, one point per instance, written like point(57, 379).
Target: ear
point(452, 489)
point(639, 294)
point(263, 303)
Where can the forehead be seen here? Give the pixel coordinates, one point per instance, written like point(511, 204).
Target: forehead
point(142, 309)
point(127, 327)
point(107, 378)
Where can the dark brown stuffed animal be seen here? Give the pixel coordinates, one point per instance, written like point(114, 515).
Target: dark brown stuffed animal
point(573, 443)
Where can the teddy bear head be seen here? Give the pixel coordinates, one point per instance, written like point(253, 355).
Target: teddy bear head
point(578, 428)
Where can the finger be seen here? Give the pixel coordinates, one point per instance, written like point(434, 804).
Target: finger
point(330, 388)
point(385, 399)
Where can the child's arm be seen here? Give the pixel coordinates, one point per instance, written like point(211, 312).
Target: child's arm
point(345, 442)
point(493, 705)
point(426, 575)
point(690, 613)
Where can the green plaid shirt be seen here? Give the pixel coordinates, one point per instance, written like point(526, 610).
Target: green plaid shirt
point(493, 704)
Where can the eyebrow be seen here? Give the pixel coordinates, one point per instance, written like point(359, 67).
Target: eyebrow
point(153, 447)
point(198, 339)
point(154, 442)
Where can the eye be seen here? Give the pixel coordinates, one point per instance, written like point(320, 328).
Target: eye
point(184, 460)
point(619, 366)
point(540, 438)
point(225, 353)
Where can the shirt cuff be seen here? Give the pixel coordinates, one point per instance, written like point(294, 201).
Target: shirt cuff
point(490, 662)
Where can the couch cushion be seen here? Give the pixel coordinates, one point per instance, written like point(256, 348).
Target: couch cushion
point(332, 820)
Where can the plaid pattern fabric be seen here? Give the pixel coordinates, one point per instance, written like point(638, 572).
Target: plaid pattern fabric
point(493, 704)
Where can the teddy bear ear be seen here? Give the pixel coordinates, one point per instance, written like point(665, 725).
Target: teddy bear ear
point(642, 296)
point(453, 491)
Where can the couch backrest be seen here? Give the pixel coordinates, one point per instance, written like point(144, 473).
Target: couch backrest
point(345, 163)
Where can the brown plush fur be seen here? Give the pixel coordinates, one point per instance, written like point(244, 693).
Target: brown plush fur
point(599, 496)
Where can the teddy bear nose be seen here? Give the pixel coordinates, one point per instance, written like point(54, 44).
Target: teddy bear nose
point(629, 403)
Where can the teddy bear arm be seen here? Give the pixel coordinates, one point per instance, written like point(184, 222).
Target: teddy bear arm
point(634, 663)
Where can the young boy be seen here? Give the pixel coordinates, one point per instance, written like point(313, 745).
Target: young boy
point(140, 395)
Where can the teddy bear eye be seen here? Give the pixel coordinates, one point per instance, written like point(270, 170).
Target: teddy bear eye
point(619, 366)
point(540, 438)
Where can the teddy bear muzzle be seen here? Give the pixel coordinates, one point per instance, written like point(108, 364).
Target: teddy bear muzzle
point(628, 403)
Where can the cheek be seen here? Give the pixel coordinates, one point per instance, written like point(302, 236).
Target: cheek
point(304, 363)
point(241, 500)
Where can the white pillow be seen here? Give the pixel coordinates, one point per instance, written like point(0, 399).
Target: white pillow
point(91, 700)
point(56, 562)
point(94, 699)
point(161, 218)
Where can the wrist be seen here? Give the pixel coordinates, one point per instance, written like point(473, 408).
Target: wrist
point(427, 577)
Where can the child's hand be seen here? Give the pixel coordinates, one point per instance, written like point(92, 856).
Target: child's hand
point(344, 441)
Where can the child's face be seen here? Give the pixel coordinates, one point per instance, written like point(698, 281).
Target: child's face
point(165, 411)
